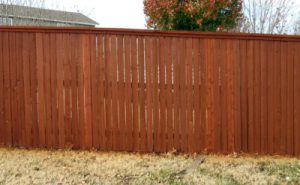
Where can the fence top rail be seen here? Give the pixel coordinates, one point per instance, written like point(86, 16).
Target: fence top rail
point(143, 32)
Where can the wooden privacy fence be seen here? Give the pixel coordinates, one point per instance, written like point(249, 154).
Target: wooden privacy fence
point(149, 91)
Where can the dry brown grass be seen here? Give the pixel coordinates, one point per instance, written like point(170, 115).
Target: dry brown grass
point(19, 166)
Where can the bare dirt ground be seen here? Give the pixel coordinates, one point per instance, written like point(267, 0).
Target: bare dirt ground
point(32, 167)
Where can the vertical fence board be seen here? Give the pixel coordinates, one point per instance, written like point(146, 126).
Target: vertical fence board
point(27, 98)
point(2, 120)
point(217, 58)
point(41, 89)
point(7, 89)
point(60, 91)
point(12, 78)
point(33, 89)
point(244, 98)
point(231, 94)
point(87, 92)
point(135, 93)
point(216, 95)
point(224, 94)
point(183, 98)
point(277, 98)
point(290, 99)
point(19, 87)
point(237, 97)
point(162, 99)
point(65, 130)
point(250, 95)
point(203, 72)
point(155, 58)
point(67, 68)
point(257, 97)
point(69, 129)
point(115, 117)
point(121, 90)
point(108, 95)
point(210, 92)
point(189, 95)
point(283, 89)
point(142, 86)
point(229, 97)
point(264, 97)
point(297, 100)
point(271, 103)
point(178, 95)
point(94, 91)
point(75, 132)
point(48, 110)
point(177, 130)
point(13, 85)
point(80, 80)
point(170, 94)
point(21, 96)
point(149, 104)
point(128, 97)
point(197, 102)
point(53, 80)
point(101, 90)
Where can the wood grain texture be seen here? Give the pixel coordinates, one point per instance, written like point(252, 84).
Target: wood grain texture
point(121, 94)
point(176, 44)
point(149, 103)
point(101, 93)
point(128, 96)
point(296, 100)
point(2, 120)
point(142, 93)
point(170, 95)
point(135, 93)
point(264, 98)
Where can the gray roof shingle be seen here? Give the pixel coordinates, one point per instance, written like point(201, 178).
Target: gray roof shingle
point(46, 14)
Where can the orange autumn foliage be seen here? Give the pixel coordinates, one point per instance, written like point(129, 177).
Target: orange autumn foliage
point(197, 15)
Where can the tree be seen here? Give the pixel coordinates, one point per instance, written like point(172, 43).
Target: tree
point(267, 16)
point(197, 15)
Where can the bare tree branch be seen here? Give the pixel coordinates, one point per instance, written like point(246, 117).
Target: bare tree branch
point(268, 16)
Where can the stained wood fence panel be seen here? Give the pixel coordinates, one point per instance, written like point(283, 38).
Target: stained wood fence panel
point(145, 91)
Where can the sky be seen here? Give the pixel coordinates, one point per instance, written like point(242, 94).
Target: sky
point(108, 13)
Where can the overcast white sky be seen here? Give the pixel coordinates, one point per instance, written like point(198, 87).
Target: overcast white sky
point(108, 13)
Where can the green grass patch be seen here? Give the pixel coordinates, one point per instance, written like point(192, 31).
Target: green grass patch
point(226, 180)
point(166, 176)
point(203, 171)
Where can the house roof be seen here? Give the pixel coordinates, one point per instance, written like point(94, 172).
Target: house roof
point(45, 14)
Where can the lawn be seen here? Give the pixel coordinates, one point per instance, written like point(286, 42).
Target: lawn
point(18, 166)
